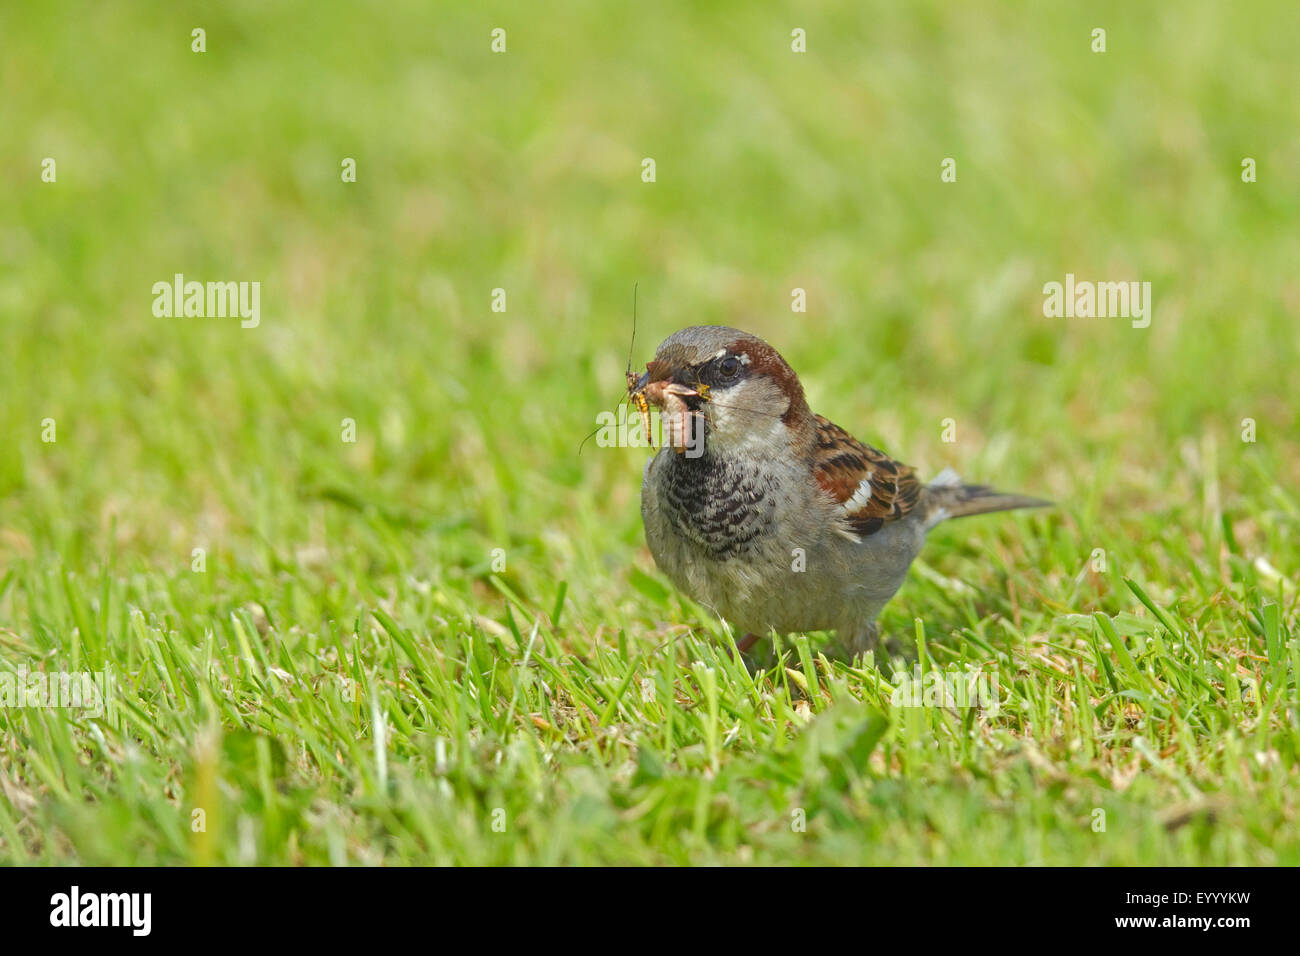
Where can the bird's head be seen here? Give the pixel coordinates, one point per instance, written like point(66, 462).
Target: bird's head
point(726, 390)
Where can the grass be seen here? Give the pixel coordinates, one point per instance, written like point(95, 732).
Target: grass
point(354, 677)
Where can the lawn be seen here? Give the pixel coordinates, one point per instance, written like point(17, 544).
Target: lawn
point(359, 598)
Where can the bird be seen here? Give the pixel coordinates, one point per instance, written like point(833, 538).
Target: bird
point(774, 517)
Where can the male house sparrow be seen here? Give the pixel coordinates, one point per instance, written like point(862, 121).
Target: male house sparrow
point(775, 517)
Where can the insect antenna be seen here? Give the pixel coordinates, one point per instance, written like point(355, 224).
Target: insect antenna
point(642, 405)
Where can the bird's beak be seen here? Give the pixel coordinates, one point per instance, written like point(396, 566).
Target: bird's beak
point(678, 405)
point(657, 389)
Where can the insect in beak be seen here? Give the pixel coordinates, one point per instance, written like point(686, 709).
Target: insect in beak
point(636, 395)
point(678, 404)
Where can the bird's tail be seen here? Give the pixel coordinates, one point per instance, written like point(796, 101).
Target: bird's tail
point(947, 497)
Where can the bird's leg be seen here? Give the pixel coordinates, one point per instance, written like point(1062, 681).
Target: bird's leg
point(864, 639)
point(867, 638)
point(745, 643)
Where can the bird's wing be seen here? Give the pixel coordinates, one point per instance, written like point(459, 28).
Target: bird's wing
point(871, 488)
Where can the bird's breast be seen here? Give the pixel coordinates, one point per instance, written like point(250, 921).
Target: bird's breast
point(723, 508)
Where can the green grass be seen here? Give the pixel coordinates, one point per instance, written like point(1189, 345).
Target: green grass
point(350, 681)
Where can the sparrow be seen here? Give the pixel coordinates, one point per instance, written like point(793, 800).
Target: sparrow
point(773, 516)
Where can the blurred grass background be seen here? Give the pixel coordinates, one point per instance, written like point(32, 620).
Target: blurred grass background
point(475, 171)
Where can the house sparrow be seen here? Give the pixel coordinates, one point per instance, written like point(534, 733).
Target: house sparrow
point(777, 518)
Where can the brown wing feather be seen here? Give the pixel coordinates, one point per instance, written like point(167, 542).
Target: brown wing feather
point(844, 464)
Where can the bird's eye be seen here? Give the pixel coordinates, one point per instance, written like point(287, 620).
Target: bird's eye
point(729, 367)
